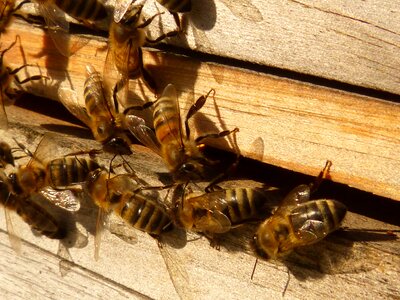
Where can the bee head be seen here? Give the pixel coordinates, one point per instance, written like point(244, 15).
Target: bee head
point(132, 15)
point(117, 145)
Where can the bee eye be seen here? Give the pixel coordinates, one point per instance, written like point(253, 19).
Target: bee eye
point(188, 167)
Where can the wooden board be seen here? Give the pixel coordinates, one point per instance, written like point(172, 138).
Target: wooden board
point(283, 122)
point(353, 42)
point(367, 263)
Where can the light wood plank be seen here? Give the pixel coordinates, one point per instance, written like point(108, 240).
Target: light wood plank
point(370, 268)
point(282, 122)
point(355, 42)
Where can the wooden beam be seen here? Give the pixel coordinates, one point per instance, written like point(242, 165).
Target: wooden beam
point(283, 122)
point(349, 264)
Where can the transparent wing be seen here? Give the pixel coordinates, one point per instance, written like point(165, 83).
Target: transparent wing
point(170, 94)
point(97, 90)
point(46, 150)
point(69, 99)
point(15, 240)
point(65, 199)
point(116, 70)
point(100, 223)
point(143, 133)
point(66, 261)
point(120, 9)
point(58, 27)
point(175, 264)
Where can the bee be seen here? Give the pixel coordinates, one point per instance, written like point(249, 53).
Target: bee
point(58, 27)
point(117, 195)
point(297, 222)
point(182, 154)
point(8, 95)
point(175, 7)
point(221, 210)
point(53, 178)
point(6, 156)
point(100, 115)
point(124, 59)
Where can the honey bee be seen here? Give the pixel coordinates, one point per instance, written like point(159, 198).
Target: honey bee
point(100, 114)
point(221, 210)
point(7, 94)
point(175, 7)
point(297, 222)
point(182, 154)
point(6, 156)
point(117, 195)
point(51, 178)
point(124, 59)
point(53, 13)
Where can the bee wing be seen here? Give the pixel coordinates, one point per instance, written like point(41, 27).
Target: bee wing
point(15, 240)
point(214, 222)
point(58, 27)
point(117, 77)
point(69, 99)
point(175, 266)
point(65, 199)
point(100, 223)
point(170, 93)
point(143, 133)
point(120, 9)
point(66, 261)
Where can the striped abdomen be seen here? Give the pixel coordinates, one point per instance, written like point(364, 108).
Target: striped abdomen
point(166, 120)
point(87, 10)
point(177, 5)
point(64, 172)
point(319, 217)
point(143, 214)
point(246, 204)
point(95, 101)
point(37, 217)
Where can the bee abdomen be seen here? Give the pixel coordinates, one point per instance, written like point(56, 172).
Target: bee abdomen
point(327, 213)
point(177, 5)
point(64, 172)
point(166, 120)
point(145, 215)
point(244, 204)
point(89, 10)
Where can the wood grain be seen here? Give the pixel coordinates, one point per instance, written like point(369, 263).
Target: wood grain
point(283, 122)
point(354, 42)
point(348, 265)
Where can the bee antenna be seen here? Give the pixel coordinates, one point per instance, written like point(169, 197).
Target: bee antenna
point(287, 283)
point(254, 269)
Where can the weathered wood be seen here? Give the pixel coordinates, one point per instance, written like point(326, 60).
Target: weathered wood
point(367, 264)
point(282, 122)
point(354, 42)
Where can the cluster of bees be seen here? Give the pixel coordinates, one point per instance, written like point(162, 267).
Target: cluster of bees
point(296, 221)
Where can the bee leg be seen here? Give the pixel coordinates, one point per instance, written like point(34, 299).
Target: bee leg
point(149, 20)
point(172, 33)
point(147, 78)
point(214, 240)
point(324, 174)
point(194, 109)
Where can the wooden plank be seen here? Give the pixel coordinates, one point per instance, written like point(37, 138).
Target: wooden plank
point(354, 42)
point(130, 270)
point(282, 122)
